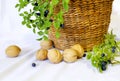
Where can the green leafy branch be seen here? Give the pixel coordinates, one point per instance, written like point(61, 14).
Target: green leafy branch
point(105, 53)
point(41, 16)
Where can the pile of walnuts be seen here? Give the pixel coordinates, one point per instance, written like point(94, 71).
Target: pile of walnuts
point(55, 56)
point(47, 51)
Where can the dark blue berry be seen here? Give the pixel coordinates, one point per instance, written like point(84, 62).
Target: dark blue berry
point(38, 14)
point(51, 20)
point(47, 28)
point(62, 25)
point(28, 0)
point(103, 68)
point(103, 63)
point(53, 46)
point(36, 4)
point(84, 55)
point(113, 47)
point(113, 50)
point(109, 61)
point(46, 13)
point(33, 64)
point(31, 20)
point(102, 55)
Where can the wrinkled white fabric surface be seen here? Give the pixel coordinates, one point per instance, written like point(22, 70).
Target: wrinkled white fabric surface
point(20, 69)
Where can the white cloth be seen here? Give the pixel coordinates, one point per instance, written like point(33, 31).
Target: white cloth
point(20, 69)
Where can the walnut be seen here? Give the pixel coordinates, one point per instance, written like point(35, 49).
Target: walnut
point(70, 55)
point(41, 54)
point(46, 44)
point(79, 49)
point(54, 56)
point(12, 51)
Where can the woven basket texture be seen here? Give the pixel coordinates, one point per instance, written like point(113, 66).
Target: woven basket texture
point(85, 23)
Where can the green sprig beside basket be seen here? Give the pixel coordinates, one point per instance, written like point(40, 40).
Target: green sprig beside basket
point(105, 53)
point(43, 13)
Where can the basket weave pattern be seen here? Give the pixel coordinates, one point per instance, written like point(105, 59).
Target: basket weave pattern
point(85, 23)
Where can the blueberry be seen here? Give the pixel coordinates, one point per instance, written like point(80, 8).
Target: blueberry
point(38, 14)
point(47, 28)
point(33, 64)
point(113, 50)
point(36, 4)
point(102, 55)
point(51, 20)
point(109, 61)
point(46, 13)
point(113, 47)
point(103, 68)
point(31, 20)
point(103, 63)
point(84, 55)
point(28, 0)
point(62, 25)
point(53, 46)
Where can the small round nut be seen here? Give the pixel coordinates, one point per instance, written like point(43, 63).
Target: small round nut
point(79, 49)
point(12, 51)
point(46, 44)
point(41, 54)
point(54, 56)
point(70, 55)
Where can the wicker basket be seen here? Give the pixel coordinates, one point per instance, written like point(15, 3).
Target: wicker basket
point(86, 23)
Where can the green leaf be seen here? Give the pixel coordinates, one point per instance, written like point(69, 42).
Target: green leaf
point(89, 55)
point(57, 34)
point(65, 4)
point(54, 2)
point(34, 25)
point(21, 1)
point(25, 18)
point(66, 7)
point(28, 25)
point(45, 37)
point(47, 23)
point(17, 5)
point(45, 4)
point(39, 39)
point(67, 1)
point(23, 22)
point(34, 30)
point(36, 8)
point(21, 14)
point(46, 31)
point(56, 24)
point(40, 33)
point(25, 12)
